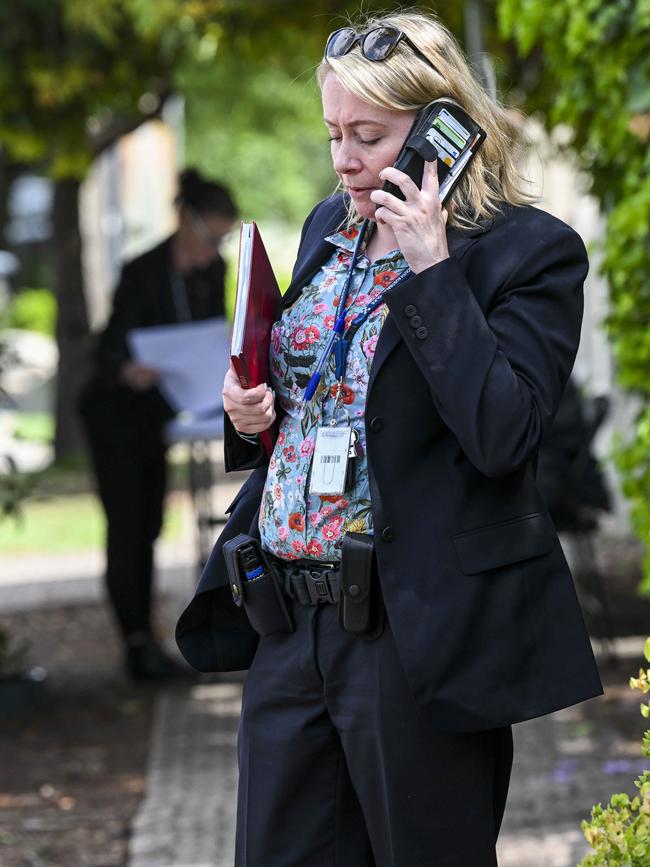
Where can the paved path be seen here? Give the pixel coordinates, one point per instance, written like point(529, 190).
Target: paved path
point(187, 815)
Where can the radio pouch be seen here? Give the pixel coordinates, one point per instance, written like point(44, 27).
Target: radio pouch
point(261, 596)
point(361, 606)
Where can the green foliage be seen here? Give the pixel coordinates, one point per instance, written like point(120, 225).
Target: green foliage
point(33, 310)
point(258, 126)
point(34, 427)
point(595, 77)
point(619, 834)
point(253, 110)
point(75, 75)
point(633, 464)
point(68, 87)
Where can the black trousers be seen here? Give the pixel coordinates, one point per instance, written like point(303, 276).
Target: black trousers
point(131, 480)
point(338, 766)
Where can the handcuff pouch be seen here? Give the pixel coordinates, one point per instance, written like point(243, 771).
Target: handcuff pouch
point(361, 607)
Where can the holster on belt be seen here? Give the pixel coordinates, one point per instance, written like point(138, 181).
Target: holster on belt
point(262, 598)
point(361, 606)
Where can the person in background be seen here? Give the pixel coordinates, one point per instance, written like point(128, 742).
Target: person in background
point(180, 280)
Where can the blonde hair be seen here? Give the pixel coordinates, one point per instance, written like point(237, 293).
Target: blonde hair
point(404, 82)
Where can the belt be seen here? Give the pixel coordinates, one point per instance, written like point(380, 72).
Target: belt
point(309, 582)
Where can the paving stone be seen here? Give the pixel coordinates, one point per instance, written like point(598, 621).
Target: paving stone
point(187, 816)
point(551, 849)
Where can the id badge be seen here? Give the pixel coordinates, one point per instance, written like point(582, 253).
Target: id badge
point(330, 460)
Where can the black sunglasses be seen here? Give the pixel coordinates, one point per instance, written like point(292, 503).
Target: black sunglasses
point(376, 44)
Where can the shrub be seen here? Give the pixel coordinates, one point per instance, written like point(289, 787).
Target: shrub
point(619, 833)
point(590, 69)
point(33, 310)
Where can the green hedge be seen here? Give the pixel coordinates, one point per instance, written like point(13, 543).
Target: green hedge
point(592, 72)
point(33, 310)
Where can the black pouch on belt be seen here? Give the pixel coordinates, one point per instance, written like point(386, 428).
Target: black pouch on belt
point(361, 606)
point(254, 584)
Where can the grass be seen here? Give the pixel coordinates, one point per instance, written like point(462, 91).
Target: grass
point(74, 522)
point(34, 426)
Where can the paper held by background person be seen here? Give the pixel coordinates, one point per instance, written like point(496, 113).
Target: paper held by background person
point(256, 308)
point(192, 359)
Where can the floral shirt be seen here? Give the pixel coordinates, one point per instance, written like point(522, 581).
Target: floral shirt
point(294, 523)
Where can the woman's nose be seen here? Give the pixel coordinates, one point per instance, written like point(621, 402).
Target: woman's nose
point(345, 160)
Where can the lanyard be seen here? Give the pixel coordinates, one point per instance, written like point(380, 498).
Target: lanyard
point(179, 296)
point(343, 346)
point(340, 339)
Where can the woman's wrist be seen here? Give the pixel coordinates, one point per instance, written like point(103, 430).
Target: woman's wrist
point(418, 267)
point(249, 438)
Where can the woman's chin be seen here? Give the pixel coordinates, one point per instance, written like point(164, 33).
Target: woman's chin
point(365, 208)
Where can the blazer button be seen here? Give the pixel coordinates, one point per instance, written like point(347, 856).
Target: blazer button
point(422, 332)
point(376, 424)
point(387, 534)
point(416, 321)
point(410, 310)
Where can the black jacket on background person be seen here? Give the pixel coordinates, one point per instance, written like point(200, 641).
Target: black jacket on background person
point(144, 297)
point(468, 372)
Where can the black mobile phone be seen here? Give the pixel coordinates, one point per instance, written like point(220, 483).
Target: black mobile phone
point(443, 131)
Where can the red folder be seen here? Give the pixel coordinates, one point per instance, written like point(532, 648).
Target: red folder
point(256, 309)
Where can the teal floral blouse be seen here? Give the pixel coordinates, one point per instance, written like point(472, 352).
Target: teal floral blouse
point(294, 523)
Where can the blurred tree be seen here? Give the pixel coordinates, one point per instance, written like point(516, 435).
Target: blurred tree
point(595, 78)
point(9, 171)
point(68, 89)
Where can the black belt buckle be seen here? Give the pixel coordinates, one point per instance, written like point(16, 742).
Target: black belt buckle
point(318, 586)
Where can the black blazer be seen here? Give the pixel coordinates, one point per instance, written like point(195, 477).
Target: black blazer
point(469, 370)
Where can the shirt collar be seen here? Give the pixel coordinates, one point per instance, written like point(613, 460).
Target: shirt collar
point(344, 239)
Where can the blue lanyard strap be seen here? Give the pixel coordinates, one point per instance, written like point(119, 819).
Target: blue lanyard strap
point(343, 346)
point(340, 339)
point(339, 322)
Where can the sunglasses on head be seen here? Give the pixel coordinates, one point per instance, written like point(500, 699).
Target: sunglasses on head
point(376, 44)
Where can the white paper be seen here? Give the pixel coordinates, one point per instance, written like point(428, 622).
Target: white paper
point(243, 284)
point(192, 358)
point(188, 429)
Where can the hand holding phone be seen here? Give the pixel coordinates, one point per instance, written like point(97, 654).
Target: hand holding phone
point(444, 132)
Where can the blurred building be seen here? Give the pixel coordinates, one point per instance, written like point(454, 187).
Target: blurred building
point(127, 203)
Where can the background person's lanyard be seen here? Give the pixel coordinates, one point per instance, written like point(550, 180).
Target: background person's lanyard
point(341, 338)
point(179, 295)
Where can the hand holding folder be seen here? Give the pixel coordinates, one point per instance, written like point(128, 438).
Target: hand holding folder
point(256, 309)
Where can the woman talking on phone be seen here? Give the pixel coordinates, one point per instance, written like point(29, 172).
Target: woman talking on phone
point(375, 724)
